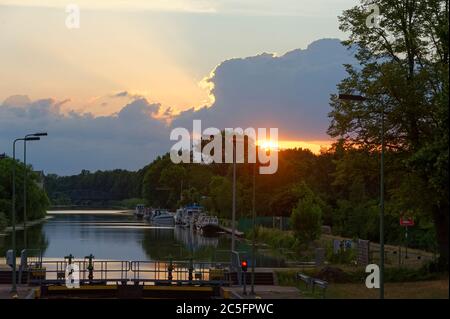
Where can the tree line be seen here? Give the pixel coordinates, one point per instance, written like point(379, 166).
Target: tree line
point(100, 188)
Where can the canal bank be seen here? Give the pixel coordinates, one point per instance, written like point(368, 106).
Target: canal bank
point(20, 227)
point(118, 235)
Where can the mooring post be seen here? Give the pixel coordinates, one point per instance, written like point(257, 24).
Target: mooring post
point(191, 269)
point(90, 267)
point(170, 269)
point(69, 259)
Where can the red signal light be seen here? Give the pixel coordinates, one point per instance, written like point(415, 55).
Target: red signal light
point(244, 265)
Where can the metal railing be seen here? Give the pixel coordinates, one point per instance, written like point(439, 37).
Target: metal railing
point(135, 272)
point(54, 271)
point(180, 272)
point(89, 270)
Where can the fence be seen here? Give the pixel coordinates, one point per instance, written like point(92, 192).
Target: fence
point(282, 223)
point(118, 271)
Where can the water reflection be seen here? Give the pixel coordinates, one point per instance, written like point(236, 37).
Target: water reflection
point(114, 236)
point(193, 240)
point(36, 239)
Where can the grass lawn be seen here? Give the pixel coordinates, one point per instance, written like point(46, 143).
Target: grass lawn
point(435, 289)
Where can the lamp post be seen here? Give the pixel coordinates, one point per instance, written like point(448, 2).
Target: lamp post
point(359, 98)
point(25, 184)
point(252, 289)
point(13, 205)
point(233, 212)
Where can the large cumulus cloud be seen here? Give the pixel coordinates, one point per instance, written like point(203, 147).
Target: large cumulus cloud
point(290, 92)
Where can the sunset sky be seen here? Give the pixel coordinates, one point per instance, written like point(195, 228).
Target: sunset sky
point(163, 52)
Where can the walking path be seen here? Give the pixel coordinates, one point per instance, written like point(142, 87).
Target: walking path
point(264, 292)
point(23, 292)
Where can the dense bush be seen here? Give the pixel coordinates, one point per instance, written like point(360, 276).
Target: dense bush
point(274, 237)
point(306, 218)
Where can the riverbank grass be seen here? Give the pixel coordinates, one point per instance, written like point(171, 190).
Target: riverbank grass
point(434, 289)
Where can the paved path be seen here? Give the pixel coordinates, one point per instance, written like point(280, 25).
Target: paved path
point(266, 292)
point(22, 292)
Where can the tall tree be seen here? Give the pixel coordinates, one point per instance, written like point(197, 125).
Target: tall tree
point(403, 72)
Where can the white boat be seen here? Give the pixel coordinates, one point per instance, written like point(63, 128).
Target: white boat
point(209, 224)
point(161, 216)
point(198, 220)
point(179, 216)
point(188, 215)
point(139, 210)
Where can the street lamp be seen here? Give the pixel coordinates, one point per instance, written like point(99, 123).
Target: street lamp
point(233, 210)
point(25, 184)
point(350, 97)
point(252, 290)
point(13, 204)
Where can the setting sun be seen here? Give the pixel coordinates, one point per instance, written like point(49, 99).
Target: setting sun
point(268, 144)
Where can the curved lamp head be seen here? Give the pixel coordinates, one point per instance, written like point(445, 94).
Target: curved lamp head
point(32, 138)
point(40, 134)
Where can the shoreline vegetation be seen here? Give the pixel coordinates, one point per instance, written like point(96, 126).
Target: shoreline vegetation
point(32, 223)
point(280, 243)
point(37, 200)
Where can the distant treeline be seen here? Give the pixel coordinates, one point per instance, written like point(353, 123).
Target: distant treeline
point(99, 189)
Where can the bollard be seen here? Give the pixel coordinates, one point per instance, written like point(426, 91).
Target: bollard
point(170, 269)
point(70, 258)
point(90, 267)
point(191, 269)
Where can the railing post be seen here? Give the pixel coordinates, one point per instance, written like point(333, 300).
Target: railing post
point(90, 267)
point(170, 269)
point(191, 269)
point(70, 258)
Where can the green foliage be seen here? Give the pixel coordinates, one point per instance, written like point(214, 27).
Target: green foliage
point(131, 203)
point(96, 189)
point(347, 256)
point(151, 190)
point(221, 194)
point(37, 200)
point(306, 218)
point(403, 274)
point(357, 219)
point(189, 196)
point(403, 72)
point(274, 237)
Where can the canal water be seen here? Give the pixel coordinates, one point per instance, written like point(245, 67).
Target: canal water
point(113, 235)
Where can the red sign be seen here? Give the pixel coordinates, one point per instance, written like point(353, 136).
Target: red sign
point(406, 221)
